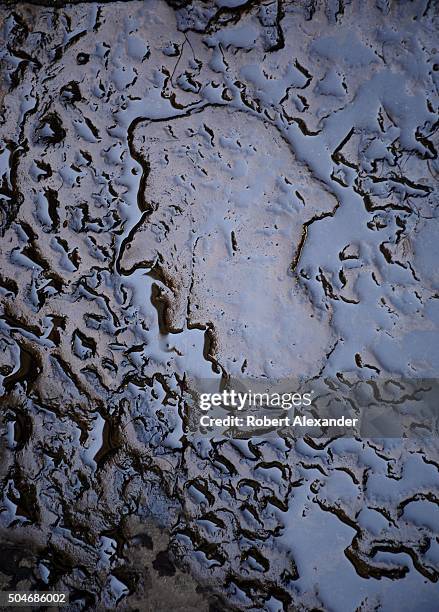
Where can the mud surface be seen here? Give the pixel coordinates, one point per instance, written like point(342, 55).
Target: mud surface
point(204, 189)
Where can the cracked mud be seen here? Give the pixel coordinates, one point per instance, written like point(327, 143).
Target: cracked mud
point(211, 189)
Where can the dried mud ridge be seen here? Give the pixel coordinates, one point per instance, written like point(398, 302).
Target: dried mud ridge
point(210, 189)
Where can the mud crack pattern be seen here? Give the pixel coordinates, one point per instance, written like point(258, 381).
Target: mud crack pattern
point(210, 189)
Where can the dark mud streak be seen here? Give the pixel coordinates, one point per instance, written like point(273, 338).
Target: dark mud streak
point(305, 229)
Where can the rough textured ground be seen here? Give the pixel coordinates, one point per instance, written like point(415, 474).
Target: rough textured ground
point(210, 189)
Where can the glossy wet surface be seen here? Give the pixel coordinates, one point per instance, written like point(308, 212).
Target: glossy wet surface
point(214, 189)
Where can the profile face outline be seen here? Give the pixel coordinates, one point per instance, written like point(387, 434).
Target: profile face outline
point(225, 202)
